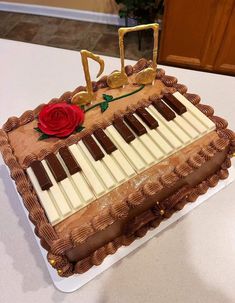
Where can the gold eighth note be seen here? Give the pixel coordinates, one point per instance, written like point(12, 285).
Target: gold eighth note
point(146, 76)
point(85, 97)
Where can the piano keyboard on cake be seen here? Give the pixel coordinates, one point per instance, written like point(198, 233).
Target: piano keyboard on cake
point(82, 172)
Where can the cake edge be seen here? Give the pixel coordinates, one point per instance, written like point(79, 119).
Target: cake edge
point(44, 229)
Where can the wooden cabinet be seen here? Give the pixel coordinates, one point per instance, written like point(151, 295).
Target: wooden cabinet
point(199, 34)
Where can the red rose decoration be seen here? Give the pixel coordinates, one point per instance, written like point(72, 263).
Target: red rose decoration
point(60, 119)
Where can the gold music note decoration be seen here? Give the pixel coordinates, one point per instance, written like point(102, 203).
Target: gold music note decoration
point(85, 97)
point(146, 76)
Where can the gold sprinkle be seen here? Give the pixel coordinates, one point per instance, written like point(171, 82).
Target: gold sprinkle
point(52, 261)
point(162, 212)
point(157, 203)
point(233, 154)
point(59, 271)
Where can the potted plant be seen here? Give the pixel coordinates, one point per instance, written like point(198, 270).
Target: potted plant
point(139, 10)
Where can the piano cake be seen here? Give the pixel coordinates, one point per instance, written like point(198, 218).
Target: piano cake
point(101, 165)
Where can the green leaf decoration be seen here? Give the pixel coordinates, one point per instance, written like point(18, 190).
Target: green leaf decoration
point(43, 136)
point(104, 105)
point(107, 98)
point(79, 128)
point(82, 107)
point(38, 130)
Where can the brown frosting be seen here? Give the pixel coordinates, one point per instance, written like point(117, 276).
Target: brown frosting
point(219, 122)
point(180, 88)
point(206, 109)
point(58, 246)
point(195, 99)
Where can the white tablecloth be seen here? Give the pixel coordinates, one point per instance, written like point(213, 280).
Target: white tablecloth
point(192, 261)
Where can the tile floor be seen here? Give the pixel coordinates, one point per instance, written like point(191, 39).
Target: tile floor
point(70, 34)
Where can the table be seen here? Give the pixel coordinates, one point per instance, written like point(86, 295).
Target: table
point(192, 261)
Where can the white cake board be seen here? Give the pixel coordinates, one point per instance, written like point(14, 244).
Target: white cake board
point(75, 282)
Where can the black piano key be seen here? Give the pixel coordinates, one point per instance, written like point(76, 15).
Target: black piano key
point(104, 141)
point(123, 130)
point(147, 118)
point(135, 124)
point(69, 160)
point(164, 110)
point(41, 175)
point(56, 167)
point(93, 148)
point(174, 103)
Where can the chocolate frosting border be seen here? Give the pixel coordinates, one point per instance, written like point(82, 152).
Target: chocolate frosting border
point(56, 246)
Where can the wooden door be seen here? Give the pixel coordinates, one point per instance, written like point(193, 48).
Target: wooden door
point(192, 32)
point(225, 60)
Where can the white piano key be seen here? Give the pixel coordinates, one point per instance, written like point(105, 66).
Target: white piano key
point(156, 137)
point(69, 187)
point(124, 164)
point(142, 151)
point(83, 187)
point(201, 128)
point(163, 130)
point(188, 128)
point(88, 170)
point(140, 148)
point(195, 111)
point(152, 147)
point(57, 193)
point(127, 149)
point(111, 164)
point(173, 127)
point(44, 197)
point(100, 169)
point(71, 193)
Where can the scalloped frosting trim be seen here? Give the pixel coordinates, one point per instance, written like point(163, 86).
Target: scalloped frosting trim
point(47, 233)
point(150, 219)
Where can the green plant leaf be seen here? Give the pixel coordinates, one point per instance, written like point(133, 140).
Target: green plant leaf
point(107, 98)
point(43, 136)
point(79, 128)
point(38, 130)
point(104, 105)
